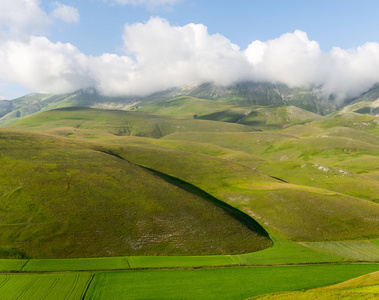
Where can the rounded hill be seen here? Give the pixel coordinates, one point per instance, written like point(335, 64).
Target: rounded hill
point(62, 198)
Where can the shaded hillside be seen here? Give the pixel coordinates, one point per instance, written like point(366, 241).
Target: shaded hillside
point(62, 198)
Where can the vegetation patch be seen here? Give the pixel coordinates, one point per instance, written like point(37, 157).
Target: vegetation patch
point(86, 201)
point(44, 286)
point(362, 287)
point(352, 250)
point(221, 283)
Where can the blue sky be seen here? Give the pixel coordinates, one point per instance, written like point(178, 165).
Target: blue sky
point(340, 23)
point(60, 46)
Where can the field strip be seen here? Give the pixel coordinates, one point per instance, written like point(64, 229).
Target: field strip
point(282, 253)
point(45, 286)
point(188, 268)
point(87, 286)
point(21, 269)
point(12, 265)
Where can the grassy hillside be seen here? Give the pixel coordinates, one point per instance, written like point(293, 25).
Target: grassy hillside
point(290, 181)
point(61, 198)
point(362, 287)
point(292, 211)
point(118, 123)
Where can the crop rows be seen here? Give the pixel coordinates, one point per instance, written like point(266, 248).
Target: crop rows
point(56, 286)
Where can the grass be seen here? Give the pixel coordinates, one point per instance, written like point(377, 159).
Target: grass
point(12, 264)
point(323, 176)
point(360, 165)
point(352, 250)
point(183, 261)
point(76, 264)
point(83, 201)
point(282, 252)
point(286, 252)
point(228, 283)
point(362, 287)
point(44, 286)
point(118, 123)
point(162, 192)
point(224, 165)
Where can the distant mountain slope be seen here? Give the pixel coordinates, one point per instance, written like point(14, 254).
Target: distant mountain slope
point(240, 94)
point(94, 121)
point(367, 103)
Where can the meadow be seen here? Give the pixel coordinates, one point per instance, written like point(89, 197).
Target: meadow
point(188, 198)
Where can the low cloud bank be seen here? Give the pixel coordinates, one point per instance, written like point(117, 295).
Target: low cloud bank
point(159, 56)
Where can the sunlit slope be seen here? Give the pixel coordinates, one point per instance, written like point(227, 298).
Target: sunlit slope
point(297, 212)
point(364, 122)
point(97, 123)
point(323, 176)
point(320, 161)
point(288, 180)
point(61, 198)
point(363, 287)
point(263, 117)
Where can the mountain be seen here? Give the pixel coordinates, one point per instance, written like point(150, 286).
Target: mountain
point(367, 103)
point(241, 94)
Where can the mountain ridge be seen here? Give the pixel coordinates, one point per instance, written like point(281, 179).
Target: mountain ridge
point(241, 94)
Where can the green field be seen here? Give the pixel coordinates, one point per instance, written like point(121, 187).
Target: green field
point(227, 283)
point(44, 286)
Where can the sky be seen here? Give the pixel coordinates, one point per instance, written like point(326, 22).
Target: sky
point(137, 47)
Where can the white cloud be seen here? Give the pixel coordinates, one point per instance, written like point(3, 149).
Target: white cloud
point(168, 56)
point(159, 55)
point(65, 13)
point(291, 59)
point(44, 66)
point(21, 18)
point(295, 60)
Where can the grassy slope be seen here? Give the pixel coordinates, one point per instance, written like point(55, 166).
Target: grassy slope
point(142, 151)
point(82, 201)
point(252, 115)
point(362, 287)
point(118, 123)
point(264, 198)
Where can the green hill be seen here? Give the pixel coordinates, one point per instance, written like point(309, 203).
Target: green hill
point(61, 198)
point(286, 182)
point(72, 121)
